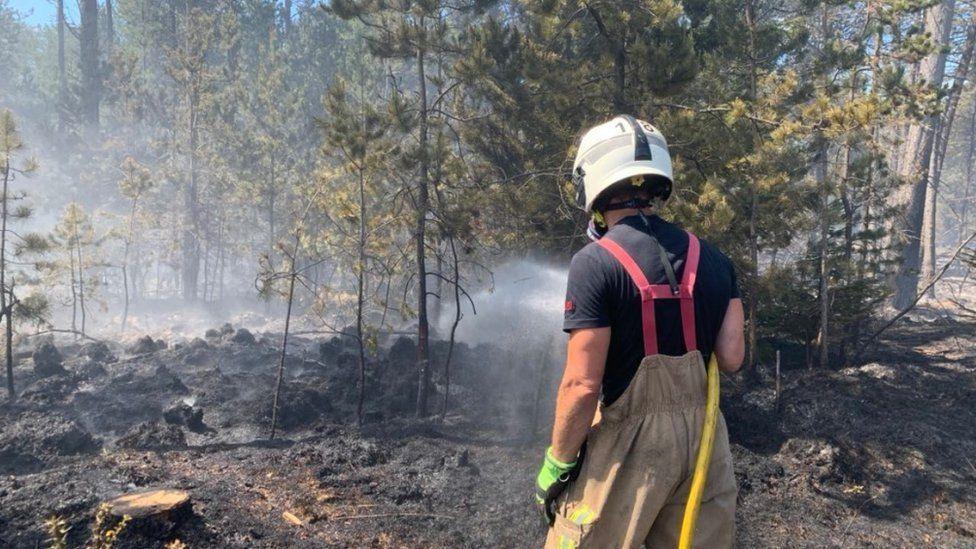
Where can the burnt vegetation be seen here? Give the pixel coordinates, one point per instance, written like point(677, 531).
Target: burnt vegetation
point(284, 273)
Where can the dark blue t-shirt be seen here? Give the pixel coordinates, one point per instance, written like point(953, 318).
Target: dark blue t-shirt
point(601, 294)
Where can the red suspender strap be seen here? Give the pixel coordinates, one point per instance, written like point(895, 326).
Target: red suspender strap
point(688, 303)
point(650, 292)
point(648, 321)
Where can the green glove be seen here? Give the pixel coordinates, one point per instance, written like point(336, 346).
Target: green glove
point(551, 470)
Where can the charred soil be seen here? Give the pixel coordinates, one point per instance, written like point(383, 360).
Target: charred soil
point(874, 455)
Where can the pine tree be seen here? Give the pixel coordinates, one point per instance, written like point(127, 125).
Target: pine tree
point(355, 132)
point(422, 36)
point(136, 181)
point(12, 166)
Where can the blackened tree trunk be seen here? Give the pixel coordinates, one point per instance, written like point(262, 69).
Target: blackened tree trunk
point(292, 275)
point(423, 199)
point(361, 293)
point(454, 325)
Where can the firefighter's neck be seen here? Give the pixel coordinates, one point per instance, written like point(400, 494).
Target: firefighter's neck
point(614, 216)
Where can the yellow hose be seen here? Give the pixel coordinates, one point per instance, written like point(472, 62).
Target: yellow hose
point(703, 459)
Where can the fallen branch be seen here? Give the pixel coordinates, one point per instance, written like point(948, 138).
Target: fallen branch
point(60, 331)
point(874, 337)
point(393, 515)
point(969, 311)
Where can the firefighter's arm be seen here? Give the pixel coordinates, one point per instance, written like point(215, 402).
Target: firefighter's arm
point(579, 391)
point(730, 345)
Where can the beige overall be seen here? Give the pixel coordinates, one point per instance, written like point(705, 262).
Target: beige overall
point(641, 450)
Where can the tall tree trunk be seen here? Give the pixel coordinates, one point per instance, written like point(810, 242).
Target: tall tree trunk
point(62, 74)
point(3, 277)
point(125, 263)
point(423, 199)
point(867, 220)
point(286, 17)
point(74, 288)
point(454, 326)
point(361, 294)
point(968, 183)
point(81, 284)
point(109, 27)
point(918, 155)
point(221, 261)
point(271, 210)
point(845, 189)
point(752, 372)
point(751, 367)
point(820, 174)
point(91, 83)
point(942, 135)
point(9, 339)
point(293, 274)
point(190, 237)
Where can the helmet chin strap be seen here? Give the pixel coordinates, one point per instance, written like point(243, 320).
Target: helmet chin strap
point(636, 203)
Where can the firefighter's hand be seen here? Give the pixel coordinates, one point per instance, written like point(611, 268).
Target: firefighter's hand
point(552, 474)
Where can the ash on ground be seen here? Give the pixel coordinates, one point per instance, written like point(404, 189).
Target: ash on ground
point(874, 455)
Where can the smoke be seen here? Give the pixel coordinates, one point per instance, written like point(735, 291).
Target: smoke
point(519, 320)
point(523, 311)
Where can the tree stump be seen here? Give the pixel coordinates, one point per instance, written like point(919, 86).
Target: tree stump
point(154, 514)
point(148, 503)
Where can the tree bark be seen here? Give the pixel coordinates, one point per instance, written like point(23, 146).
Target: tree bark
point(454, 326)
point(62, 74)
point(81, 282)
point(74, 287)
point(423, 354)
point(109, 26)
point(293, 274)
point(3, 278)
point(751, 367)
point(918, 154)
point(190, 237)
point(943, 133)
point(360, 294)
point(286, 16)
point(752, 373)
point(820, 174)
point(271, 208)
point(968, 183)
point(125, 262)
point(91, 83)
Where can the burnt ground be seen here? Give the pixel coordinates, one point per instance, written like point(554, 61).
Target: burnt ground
point(879, 455)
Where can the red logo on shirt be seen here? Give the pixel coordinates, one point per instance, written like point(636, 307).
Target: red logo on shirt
point(569, 306)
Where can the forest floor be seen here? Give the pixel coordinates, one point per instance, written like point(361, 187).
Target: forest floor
point(881, 455)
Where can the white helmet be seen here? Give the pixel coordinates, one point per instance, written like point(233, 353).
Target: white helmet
point(617, 151)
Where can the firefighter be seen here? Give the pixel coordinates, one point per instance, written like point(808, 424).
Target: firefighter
point(646, 303)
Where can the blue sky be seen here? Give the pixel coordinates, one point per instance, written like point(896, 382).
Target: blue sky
point(42, 12)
